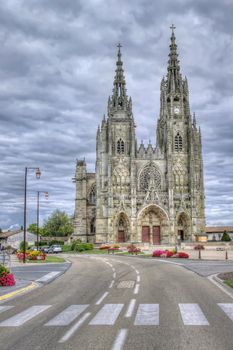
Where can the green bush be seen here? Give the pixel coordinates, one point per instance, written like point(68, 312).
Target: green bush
point(66, 248)
point(3, 269)
point(21, 246)
point(225, 237)
point(74, 243)
point(81, 247)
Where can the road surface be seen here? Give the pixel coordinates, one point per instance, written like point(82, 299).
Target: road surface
point(112, 302)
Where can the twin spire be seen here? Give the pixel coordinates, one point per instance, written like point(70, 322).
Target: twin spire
point(174, 79)
point(119, 100)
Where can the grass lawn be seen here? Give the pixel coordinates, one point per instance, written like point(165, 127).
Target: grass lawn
point(49, 259)
point(229, 282)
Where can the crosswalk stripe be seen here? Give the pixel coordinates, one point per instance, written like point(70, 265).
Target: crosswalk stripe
point(107, 315)
point(5, 308)
point(228, 309)
point(67, 316)
point(192, 315)
point(147, 315)
point(48, 276)
point(24, 316)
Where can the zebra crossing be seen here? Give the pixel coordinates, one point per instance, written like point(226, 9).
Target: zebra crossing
point(191, 314)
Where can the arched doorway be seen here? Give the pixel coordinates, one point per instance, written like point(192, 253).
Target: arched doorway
point(122, 228)
point(183, 225)
point(152, 221)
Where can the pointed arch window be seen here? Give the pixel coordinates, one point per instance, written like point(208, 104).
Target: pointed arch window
point(92, 194)
point(120, 146)
point(178, 143)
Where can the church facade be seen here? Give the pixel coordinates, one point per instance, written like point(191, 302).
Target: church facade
point(143, 193)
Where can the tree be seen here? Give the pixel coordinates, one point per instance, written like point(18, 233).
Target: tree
point(33, 229)
point(58, 224)
point(225, 237)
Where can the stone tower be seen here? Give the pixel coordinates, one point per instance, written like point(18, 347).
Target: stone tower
point(144, 194)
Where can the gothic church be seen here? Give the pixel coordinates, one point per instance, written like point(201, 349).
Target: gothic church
point(144, 194)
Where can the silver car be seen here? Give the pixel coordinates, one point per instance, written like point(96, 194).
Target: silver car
point(55, 249)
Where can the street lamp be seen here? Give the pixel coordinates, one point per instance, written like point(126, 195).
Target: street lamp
point(38, 213)
point(38, 174)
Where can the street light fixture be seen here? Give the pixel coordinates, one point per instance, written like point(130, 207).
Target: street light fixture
point(46, 194)
point(38, 174)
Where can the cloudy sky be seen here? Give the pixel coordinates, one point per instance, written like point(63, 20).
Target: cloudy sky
point(57, 62)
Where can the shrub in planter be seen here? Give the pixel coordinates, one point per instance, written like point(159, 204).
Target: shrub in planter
point(103, 247)
point(169, 253)
point(132, 249)
point(6, 278)
point(199, 247)
point(183, 255)
point(158, 253)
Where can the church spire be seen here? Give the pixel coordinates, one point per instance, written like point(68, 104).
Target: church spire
point(119, 99)
point(173, 69)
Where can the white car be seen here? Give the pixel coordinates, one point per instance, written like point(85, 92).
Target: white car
point(55, 249)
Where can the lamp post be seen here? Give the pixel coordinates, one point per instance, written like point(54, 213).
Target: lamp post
point(38, 173)
point(38, 215)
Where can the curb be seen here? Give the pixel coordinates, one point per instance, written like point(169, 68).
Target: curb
point(17, 292)
point(221, 285)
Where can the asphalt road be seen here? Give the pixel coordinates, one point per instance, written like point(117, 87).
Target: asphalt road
point(158, 306)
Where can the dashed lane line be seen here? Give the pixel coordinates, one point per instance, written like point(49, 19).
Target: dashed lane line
point(111, 284)
point(75, 327)
point(101, 298)
point(136, 289)
point(228, 309)
point(120, 339)
point(131, 307)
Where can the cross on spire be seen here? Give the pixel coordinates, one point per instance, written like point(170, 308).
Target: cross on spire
point(172, 28)
point(119, 46)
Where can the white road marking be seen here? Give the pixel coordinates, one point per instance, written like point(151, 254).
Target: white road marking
point(48, 276)
point(120, 339)
point(111, 284)
point(138, 278)
point(228, 309)
point(130, 309)
point(114, 275)
point(137, 272)
point(101, 298)
point(192, 315)
point(113, 269)
point(4, 308)
point(75, 327)
point(67, 316)
point(147, 315)
point(136, 289)
point(24, 316)
point(107, 315)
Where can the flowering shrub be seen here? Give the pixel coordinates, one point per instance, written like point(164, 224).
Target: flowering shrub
point(183, 255)
point(104, 247)
point(169, 253)
point(158, 253)
point(7, 280)
point(36, 255)
point(132, 249)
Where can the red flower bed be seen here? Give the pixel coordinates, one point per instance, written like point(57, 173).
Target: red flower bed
point(183, 255)
point(7, 280)
point(169, 254)
point(132, 249)
point(158, 253)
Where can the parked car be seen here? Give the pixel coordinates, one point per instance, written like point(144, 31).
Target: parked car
point(45, 249)
point(55, 249)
